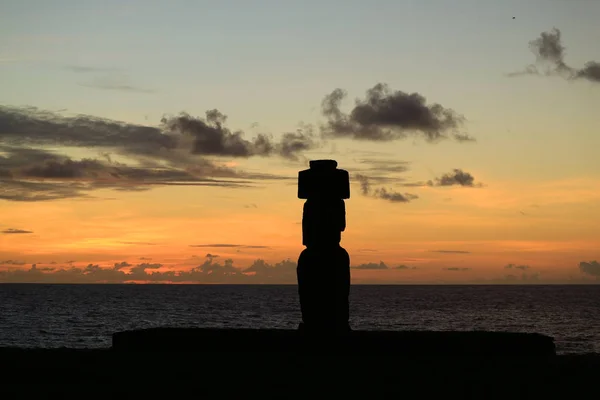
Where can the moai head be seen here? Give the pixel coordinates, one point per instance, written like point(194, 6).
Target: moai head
point(323, 181)
point(324, 216)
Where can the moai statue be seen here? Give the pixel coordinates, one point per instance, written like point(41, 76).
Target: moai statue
point(324, 266)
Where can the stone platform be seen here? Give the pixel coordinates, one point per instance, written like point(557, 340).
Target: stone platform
point(372, 343)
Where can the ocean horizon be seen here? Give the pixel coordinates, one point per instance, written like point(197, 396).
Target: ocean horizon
point(86, 315)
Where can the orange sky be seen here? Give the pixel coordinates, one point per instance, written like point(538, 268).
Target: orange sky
point(473, 158)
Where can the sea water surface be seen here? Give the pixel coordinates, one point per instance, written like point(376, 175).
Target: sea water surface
point(85, 316)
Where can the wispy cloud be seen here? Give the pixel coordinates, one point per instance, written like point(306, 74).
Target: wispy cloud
point(172, 153)
point(451, 251)
point(515, 266)
point(12, 231)
point(228, 245)
point(381, 192)
point(111, 83)
point(456, 269)
point(591, 268)
point(89, 69)
point(550, 57)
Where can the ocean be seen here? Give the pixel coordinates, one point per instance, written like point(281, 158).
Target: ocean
point(85, 316)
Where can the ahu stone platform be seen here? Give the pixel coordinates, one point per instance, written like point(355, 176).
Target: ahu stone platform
point(384, 343)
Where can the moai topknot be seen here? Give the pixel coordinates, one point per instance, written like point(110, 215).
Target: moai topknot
point(324, 266)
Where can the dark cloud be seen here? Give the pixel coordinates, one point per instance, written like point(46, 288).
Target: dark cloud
point(159, 155)
point(12, 262)
point(457, 177)
point(514, 266)
point(211, 137)
point(386, 115)
point(451, 251)
point(228, 245)
point(60, 177)
point(383, 166)
point(456, 269)
point(550, 56)
point(207, 272)
point(371, 266)
point(31, 126)
point(178, 140)
point(463, 137)
point(365, 184)
point(284, 270)
point(591, 268)
point(121, 265)
point(139, 271)
point(404, 267)
point(383, 193)
point(65, 169)
point(12, 231)
point(394, 197)
point(15, 190)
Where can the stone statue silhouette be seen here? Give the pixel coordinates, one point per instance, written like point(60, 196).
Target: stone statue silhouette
point(324, 266)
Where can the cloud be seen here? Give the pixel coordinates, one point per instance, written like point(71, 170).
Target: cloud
point(451, 251)
point(386, 115)
point(109, 83)
point(591, 268)
point(371, 266)
point(457, 177)
point(12, 231)
point(139, 270)
point(33, 178)
point(179, 136)
point(121, 265)
point(383, 193)
point(550, 55)
point(211, 137)
point(112, 80)
point(12, 262)
point(384, 166)
point(284, 270)
point(456, 269)
point(87, 69)
point(404, 267)
point(514, 266)
point(158, 156)
point(207, 272)
point(228, 245)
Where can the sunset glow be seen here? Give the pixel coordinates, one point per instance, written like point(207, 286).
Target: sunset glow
point(103, 180)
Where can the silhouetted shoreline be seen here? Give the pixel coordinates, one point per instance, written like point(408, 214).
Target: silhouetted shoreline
point(226, 371)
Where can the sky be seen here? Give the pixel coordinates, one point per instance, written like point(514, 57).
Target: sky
point(153, 141)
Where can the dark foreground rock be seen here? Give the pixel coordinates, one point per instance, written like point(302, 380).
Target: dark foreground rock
point(238, 365)
point(402, 343)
